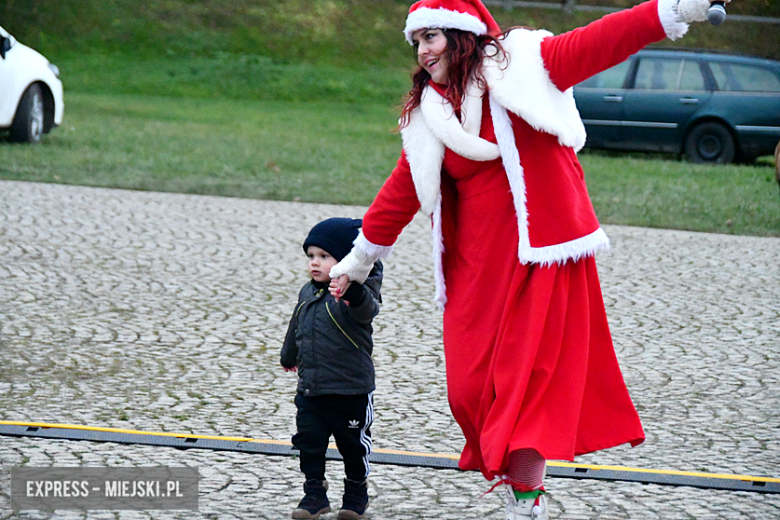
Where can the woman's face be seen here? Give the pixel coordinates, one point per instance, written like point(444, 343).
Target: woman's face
point(431, 45)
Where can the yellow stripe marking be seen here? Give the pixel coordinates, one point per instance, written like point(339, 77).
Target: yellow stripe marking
point(391, 452)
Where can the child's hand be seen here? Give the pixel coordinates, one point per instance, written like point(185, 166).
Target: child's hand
point(293, 369)
point(338, 286)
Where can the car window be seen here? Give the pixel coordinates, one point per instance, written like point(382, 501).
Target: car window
point(658, 73)
point(610, 78)
point(744, 78)
point(691, 77)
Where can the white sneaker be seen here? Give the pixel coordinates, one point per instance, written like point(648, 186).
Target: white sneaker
point(527, 509)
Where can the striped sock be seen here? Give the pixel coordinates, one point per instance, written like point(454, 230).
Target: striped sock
point(526, 470)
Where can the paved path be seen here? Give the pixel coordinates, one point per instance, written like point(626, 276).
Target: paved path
point(165, 312)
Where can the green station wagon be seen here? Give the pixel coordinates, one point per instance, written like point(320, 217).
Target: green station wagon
point(714, 108)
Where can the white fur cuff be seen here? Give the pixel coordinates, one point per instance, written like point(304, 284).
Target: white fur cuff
point(373, 251)
point(671, 21)
point(693, 10)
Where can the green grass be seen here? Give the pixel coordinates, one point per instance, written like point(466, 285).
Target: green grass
point(323, 152)
point(341, 153)
point(231, 76)
point(664, 192)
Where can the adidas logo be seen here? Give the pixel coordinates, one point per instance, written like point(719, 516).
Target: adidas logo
point(354, 424)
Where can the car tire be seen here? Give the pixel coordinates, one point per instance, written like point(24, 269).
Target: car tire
point(29, 119)
point(710, 143)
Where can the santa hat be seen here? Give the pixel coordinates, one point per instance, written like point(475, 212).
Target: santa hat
point(466, 15)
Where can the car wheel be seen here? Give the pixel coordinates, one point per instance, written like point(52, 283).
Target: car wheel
point(710, 143)
point(28, 121)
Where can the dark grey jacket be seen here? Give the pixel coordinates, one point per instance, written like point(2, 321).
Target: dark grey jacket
point(330, 342)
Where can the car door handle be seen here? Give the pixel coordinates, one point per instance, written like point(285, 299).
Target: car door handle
point(613, 99)
point(689, 101)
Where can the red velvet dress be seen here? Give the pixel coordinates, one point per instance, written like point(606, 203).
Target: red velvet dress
point(530, 360)
point(529, 356)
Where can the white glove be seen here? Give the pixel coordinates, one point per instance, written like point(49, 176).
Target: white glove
point(359, 262)
point(693, 10)
point(356, 265)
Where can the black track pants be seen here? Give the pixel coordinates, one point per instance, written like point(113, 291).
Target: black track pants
point(346, 417)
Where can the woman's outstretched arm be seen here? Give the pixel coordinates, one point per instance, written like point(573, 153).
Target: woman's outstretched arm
point(576, 55)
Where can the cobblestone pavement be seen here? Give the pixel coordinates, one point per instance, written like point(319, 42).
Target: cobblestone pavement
point(166, 312)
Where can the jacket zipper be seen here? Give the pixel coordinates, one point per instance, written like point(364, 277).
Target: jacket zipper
point(339, 326)
point(298, 310)
point(304, 303)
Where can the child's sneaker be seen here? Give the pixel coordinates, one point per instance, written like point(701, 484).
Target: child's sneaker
point(315, 501)
point(355, 500)
point(525, 508)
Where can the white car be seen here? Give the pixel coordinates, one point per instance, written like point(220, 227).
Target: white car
point(31, 102)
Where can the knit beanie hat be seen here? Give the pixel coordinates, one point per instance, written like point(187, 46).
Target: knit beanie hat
point(466, 15)
point(334, 235)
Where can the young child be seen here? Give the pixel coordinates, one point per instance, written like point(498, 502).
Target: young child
point(329, 344)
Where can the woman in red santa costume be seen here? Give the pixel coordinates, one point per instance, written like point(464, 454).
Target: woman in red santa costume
point(490, 135)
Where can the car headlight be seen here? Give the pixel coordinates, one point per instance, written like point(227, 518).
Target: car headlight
point(54, 69)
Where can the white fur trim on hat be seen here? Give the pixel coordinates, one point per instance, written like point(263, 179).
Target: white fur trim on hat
point(427, 18)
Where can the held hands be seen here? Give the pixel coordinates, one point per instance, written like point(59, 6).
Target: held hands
point(356, 265)
point(338, 286)
point(293, 369)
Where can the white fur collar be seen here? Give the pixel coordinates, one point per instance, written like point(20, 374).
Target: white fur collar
point(462, 139)
point(425, 154)
point(523, 87)
point(431, 127)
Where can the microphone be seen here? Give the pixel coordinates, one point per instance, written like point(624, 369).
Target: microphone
point(716, 14)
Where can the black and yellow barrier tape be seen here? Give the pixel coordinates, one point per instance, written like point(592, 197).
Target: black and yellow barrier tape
point(380, 456)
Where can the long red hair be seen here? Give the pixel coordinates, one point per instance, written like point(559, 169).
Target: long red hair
point(465, 52)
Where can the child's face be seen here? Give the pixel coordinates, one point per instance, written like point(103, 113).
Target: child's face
point(320, 263)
